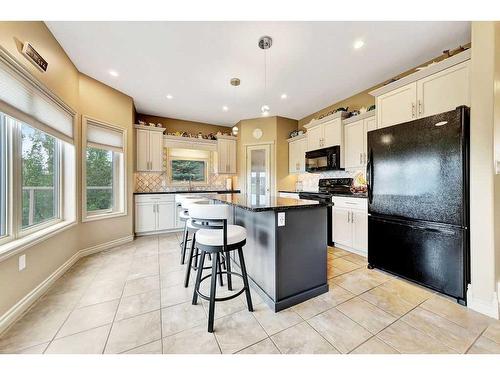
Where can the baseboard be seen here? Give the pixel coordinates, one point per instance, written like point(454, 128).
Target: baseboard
point(21, 307)
point(352, 250)
point(490, 308)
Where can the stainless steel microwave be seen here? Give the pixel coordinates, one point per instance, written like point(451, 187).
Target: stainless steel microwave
point(325, 159)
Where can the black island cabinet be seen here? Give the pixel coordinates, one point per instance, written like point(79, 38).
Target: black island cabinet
point(286, 248)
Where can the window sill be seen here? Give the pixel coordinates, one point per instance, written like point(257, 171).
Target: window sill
point(103, 216)
point(16, 246)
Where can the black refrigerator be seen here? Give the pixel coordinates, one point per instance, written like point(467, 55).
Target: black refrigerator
point(418, 201)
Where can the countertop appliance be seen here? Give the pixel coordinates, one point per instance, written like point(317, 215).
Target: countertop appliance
point(325, 159)
point(418, 201)
point(327, 187)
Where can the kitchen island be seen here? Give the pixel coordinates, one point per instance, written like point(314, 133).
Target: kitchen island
point(286, 249)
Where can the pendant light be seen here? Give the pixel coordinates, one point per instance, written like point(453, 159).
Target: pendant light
point(265, 43)
point(235, 82)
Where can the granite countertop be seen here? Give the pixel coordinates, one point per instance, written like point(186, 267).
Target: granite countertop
point(272, 203)
point(347, 195)
point(187, 192)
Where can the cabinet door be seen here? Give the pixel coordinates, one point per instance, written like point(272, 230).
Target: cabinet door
point(354, 144)
point(342, 228)
point(332, 133)
point(314, 136)
point(370, 124)
point(231, 153)
point(142, 150)
point(292, 157)
point(397, 106)
point(156, 151)
point(222, 155)
point(301, 154)
point(145, 217)
point(360, 230)
point(443, 91)
point(165, 215)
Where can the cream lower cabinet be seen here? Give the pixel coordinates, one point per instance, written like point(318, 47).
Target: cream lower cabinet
point(297, 155)
point(226, 154)
point(436, 93)
point(149, 149)
point(155, 213)
point(356, 141)
point(350, 224)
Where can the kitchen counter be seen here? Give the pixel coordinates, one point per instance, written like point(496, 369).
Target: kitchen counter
point(186, 192)
point(270, 203)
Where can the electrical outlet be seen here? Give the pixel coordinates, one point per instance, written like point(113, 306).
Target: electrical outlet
point(22, 262)
point(281, 219)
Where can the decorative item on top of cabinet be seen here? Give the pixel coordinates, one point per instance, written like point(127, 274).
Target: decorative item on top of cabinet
point(350, 224)
point(226, 154)
point(325, 132)
point(149, 148)
point(355, 139)
point(440, 87)
point(297, 154)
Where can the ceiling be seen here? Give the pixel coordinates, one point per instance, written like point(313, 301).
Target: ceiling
point(314, 63)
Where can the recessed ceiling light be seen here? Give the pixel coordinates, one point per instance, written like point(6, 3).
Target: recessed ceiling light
point(284, 96)
point(358, 44)
point(114, 73)
point(224, 108)
point(169, 96)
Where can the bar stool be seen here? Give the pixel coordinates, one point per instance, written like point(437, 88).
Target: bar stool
point(184, 217)
point(216, 237)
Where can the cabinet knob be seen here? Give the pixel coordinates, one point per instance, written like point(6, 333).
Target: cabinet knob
point(413, 115)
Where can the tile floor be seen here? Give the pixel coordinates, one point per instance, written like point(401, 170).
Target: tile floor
point(131, 300)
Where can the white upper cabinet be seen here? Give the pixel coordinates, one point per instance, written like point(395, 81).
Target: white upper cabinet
point(314, 138)
point(149, 149)
point(325, 132)
point(297, 155)
point(397, 106)
point(356, 139)
point(438, 88)
point(443, 91)
point(332, 133)
point(226, 155)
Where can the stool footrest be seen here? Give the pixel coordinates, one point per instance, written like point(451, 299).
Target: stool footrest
point(219, 299)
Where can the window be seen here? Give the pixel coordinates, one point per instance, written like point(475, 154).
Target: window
point(188, 166)
point(104, 172)
point(3, 177)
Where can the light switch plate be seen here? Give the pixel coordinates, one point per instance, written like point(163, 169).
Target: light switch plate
point(22, 262)
point(281, 219)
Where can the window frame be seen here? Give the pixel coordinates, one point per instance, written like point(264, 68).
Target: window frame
point(5, 188)
point(119, 173)
point(173, 182)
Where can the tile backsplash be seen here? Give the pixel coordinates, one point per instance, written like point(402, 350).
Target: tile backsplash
point(310, 180)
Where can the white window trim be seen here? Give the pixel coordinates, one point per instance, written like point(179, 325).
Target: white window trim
point(102, 214)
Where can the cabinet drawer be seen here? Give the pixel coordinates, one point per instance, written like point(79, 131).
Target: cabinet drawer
point(154, 198)
point(352, 203)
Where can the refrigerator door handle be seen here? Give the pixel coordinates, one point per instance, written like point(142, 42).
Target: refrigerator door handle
point(369, 177)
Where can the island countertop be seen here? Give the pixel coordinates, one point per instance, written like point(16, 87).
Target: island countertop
point(270, 203)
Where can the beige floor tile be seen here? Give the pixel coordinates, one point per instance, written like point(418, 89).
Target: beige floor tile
point(345, 265)
point(55, 302)
point(409, 340)
point(181, 317)
point(138, 304)
point(143, 267)
point(360, 280)
point(336, 252)
point(387, 301)
point(102, 291)
point(142, 285)
point(37, 349)
point(173, 295)
point(367, 315)
point(493, 332)
point(147, 251)
point(237, 331)
point(443, 330)
point(263, 347)
point(154, 347)
point(275, 322)
point(460, 315)
point(332, 271)
point(192, 341)
point(175, 278)
point(87, 342)
point(71, 283)
point(336, 295)
point(88, 317)
point(484, 345)
point(302, 339)
point(133, 332)
point(343, 333)
point(374, 346)
point(407, 291)
point(355, 258)
point(225, 307)
point(170, 262)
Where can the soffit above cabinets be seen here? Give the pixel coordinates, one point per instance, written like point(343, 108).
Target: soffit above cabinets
point(313, 63)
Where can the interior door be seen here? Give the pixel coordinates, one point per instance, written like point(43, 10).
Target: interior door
point(314, 136)
point(354, 144)
point(156, 151)
point(342, 228)
point(165, 214)
point(258, 173)
point(332, 133)
point(443, 91)
point(145, 217)
point(397, 106)
point(142, 150)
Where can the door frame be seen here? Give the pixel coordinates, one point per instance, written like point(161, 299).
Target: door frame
point(272, 166)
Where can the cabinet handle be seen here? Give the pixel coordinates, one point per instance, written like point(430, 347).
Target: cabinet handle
point(413, 115)
point(348, 216)
point(352, 217)
point(420, 108)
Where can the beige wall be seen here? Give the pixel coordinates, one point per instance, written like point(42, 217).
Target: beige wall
point(85, 96)
point(176, 125)
point(496, 120)
point(284, 180)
